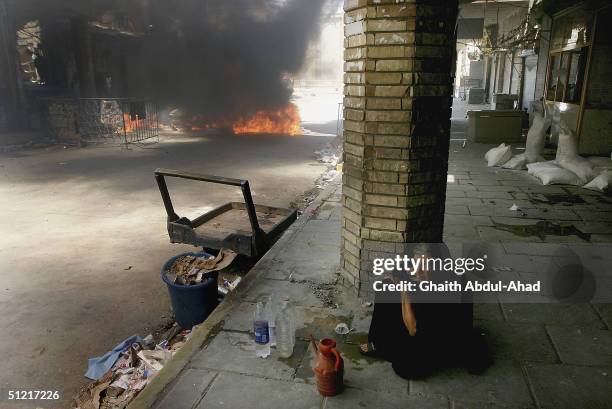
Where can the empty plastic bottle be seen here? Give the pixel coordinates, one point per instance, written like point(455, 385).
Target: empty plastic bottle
point(271, 311)
point(285, 331)
point(261, 330)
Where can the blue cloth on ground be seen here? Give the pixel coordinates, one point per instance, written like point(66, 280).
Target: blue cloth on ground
point(98, 366)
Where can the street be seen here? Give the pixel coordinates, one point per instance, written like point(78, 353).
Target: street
point(85, 236)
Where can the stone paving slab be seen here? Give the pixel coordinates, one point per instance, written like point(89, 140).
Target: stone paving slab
point(588, 215)
point(353, 398)
point(460, 232)
point(457, 404)
point(298, 293)
point(235, 352)
point(592, 252)
point(493, 234)
point(187, 390)
point(487, 312)
point(601, 238)
point(498, 188)
point(536, 213)
point(230, 391)
point(459, 220)
point(576, 315)
point(570, 387)
point(456, 209)
point(502, 384)
point(319, 266)
point(504, 203)
point(326, 211)
point(524, 263)
point(313, 254)
point(542, 249)
point(605, 312)
point(519, 341)
point(464, 201)
point(570, 344)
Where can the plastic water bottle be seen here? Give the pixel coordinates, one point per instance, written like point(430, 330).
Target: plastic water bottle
point(285, 331)
point(271, 312)
point(260, 328)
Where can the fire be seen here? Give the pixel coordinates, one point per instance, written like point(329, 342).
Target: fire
point(283, 121)
point(131, 124)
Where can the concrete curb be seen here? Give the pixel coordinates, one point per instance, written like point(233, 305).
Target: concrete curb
point(151, 393)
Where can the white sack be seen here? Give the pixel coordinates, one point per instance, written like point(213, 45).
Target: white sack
point(533, 168)
point(601, 162)
point(499, 155)
point(568, 145)
point(580, 166)
point(601, 183)
point(536, 138)
point(517, 162)
point(568, 158)
point(550, 173)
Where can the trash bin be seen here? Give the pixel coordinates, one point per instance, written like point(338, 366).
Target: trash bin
point(191, 303)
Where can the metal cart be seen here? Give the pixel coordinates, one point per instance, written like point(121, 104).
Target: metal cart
point(246, 228)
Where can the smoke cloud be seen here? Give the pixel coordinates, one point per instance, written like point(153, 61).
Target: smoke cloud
point(229, 59)
point(220, 59)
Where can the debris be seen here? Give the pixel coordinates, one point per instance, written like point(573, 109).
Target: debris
point(228, 286)
point(342, 329)
point(136, 362)
point(98, 366)
point(234, 284)
point(366, 304)
point(155, 360)
point(514, 207)
point(191, 270)
point(171, 333)
point(148, 341)
point(128, 268)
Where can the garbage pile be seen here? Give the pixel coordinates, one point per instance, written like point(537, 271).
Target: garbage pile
point(567, 168)
point(120, 374)
point(190, 270)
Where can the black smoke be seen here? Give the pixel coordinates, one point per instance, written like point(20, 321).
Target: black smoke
point(214, 58)
point(228, 59)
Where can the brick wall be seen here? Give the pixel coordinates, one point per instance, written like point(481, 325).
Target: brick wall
point(398, 75)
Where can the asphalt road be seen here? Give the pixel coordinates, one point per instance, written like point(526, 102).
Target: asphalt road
point(83, 238)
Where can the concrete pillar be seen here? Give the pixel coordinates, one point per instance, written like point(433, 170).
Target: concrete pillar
point(399, 67)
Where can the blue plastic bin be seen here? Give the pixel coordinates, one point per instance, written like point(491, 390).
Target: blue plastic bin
point(191, 304)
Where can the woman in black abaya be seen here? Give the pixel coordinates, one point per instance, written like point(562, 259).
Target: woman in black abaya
point(418, 331)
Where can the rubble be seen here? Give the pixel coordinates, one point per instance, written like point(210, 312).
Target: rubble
point(134, 365)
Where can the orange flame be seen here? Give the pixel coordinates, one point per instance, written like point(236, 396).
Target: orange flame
point(131, 124)
point(284, 121)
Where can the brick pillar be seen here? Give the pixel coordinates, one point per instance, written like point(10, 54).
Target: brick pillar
point(399, 59)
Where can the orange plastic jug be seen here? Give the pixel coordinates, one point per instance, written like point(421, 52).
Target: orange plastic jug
point(328, 368)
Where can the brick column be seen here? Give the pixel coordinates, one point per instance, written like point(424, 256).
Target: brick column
point(399, 59)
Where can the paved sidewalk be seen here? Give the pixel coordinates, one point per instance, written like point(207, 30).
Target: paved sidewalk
point(546, 355)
